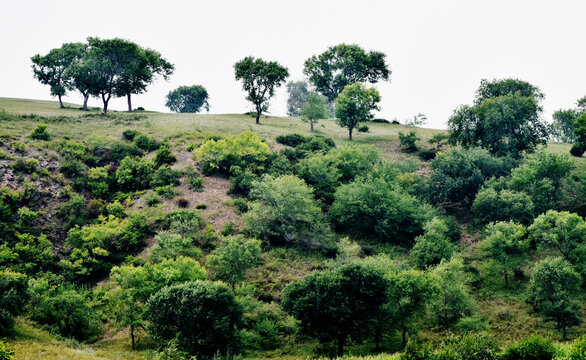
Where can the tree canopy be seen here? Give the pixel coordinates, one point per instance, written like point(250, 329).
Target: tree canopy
point(505, 119)
point(259, 80)
point(354, 105)
point(315, 108)
point(342, 65)
point(188, 99)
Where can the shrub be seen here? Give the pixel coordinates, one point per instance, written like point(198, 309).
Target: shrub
point(578, 349)
point(284, 211)
point(374, 206)
point(427, 154)
point(183, 222)
point(241, 205)
point(28, 254)
point(18, 147)
point(233, 257)
point(73, 212)
point(201, 206)
point(291, 139)
point(134, 173)
point(116, 209)
point(120, 150)
point(363, 129)
point(433, 246)
point(164, 176)
point(13, 296)
point(167, 191)
point(145, 143)
point(98, 181)
point(72, 168)
point(170, 246)
point(195, 182)
point(577, 150)
point(470, 347)
point(40, 133)
point(6, 353)
point(129, 134)
point(164, 156)
point(28, 166)
point(151, 199)
point(504, 205)
point(532, 348)
point(201, 315)
point(408, 141)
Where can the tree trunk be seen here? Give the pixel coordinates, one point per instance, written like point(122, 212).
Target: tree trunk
point(258, 112)
point(129, 103)
point(506, 280)
point(311, 124)
point(132, 335)
point(60, 102)
point(404, 343)
point(105, 100)
point(350, 133)
point(85, 99)
point(341, 340)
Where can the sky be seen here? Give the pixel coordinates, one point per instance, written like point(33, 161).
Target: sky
point(438, 51)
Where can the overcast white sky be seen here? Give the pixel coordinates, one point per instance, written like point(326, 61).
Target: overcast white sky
point(437, 50)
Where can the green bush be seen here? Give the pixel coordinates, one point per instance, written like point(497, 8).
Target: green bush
point(164, 176)
point(202, 316)
point(164, 156)
point(433, 246)
point(408, 141)
point(170, 246)
point(13, 296)
point(167, 191)
point(195, 182)
point(72, 168)
point(577, 150)
point(134, 174)
point(73, 212)
point(285, 211)
point(291, 139)
point(578, 349)
point(378, 208)
point(470, 347)
point(40, 133)
point(28, 166)
point(427, 154)
point(98, 181)
point(116, 209)
point(532, 348)
point(491, 205)
point(363, 129)
point(6, 353)
point(145, 143)
point(129, 134)
point(183, 222)
point(28, 254)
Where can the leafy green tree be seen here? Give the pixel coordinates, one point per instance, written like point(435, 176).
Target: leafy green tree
point(134, 173)
point(563, 125)
point(407, 141)
point(135, 284)
point(29, 254)
point(502, 205)
point(562, 232)
point(297, 91)
point(580, 132)
point(233, 257)
point(108, 59)
point(82, 76)
point(552, 291)
point(337, 304)
point(203, 316)
point(285, 211)
point(51, 69)
point(410, 293)
point(459, 173)
point(379, 208)
point(505, 119)
point(505, 244)
point(433, 246)
point(542, 177)
point(170, 246)
point(354, 105)
point(140, 69)
point(452, 300)
point(315, 108)
point(188, 99)
point(343, 65)
point(259, 80)
point(13, 296)
point(533, 347)
point(321, 175)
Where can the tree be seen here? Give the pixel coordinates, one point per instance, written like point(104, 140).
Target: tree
point(342, 65)
point(230, 260)
point(188, 99)
point(337, 304)
point(354, 105)
point(580, 132)
point(505, 119)
point(203, 316)
point(433, 246)
point(285, 211)
point(81, 75)
point(315, 108)
point(379, 208)
point(297, 91)
point(417, 120)
point(51, 69)
point(140, 69)
point(108, 59)
point(563, 125)
point(502, 205)
point(259, 80)
point(409, 294)
point(552, 292)
point(505, 244)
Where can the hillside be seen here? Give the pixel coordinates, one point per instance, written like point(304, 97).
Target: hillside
point(78, 170)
